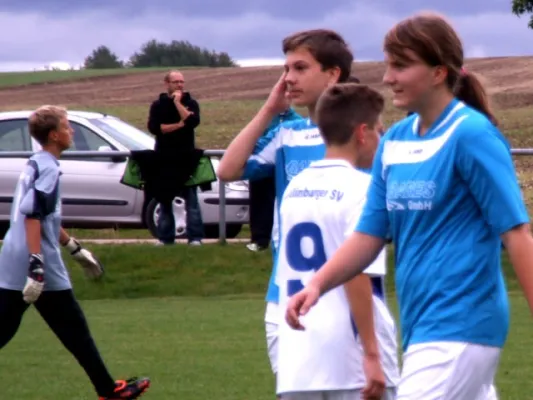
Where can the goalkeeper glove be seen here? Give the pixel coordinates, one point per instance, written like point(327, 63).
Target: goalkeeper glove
point(35, 279)
point(92, 267)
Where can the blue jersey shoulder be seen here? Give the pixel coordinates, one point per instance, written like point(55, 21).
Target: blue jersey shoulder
point(476, 126)
point(282, 119)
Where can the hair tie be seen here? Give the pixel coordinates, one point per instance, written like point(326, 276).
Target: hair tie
point(463, 71)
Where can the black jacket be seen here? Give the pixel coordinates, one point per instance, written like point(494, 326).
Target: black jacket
point(165, 173)
point(164, 111)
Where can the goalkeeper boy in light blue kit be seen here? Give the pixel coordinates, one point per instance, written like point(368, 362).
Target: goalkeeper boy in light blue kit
point(31, 267)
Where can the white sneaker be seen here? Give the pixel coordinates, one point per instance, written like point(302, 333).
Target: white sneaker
point(255, 247)
point(195, 243)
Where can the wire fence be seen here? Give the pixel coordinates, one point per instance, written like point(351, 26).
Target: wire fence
point(210, 152)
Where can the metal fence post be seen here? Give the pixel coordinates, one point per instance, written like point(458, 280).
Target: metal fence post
point(221, 200)
point(222, 213)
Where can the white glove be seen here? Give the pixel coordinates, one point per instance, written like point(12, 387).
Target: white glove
point(35, 280)
point(92, 267)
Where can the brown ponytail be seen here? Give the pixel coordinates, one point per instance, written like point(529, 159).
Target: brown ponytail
point(470, 90)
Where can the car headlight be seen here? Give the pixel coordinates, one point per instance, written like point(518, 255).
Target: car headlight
point(239, 186)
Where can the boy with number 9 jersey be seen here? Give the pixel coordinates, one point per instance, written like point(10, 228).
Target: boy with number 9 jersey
point(348, 348)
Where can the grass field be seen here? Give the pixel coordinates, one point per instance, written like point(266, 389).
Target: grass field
point(192, 320)
point(9, 79)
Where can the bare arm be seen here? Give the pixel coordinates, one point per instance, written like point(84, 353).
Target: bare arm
point(353, 257)
point(33, 235)
point(359, 294)
point(63, 237)
point(232, 164)
point(519, 245)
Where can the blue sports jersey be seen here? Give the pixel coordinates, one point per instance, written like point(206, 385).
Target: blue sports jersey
point(284, 152)
point(446, 197)
point(289, 115)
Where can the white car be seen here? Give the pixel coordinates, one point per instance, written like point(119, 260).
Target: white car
point(92, 194)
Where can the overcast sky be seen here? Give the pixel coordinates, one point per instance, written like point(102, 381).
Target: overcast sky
point(37, 32)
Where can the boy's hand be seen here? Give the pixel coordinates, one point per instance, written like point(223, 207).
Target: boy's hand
point(375, 378)
point(35, 280)
point(300, 304)
point(277, 101)
point(92, 267)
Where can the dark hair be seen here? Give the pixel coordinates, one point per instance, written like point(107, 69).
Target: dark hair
point(436, 43)
point(326, 46)
point(353, 79)
point(344, 106)
point(45, 120)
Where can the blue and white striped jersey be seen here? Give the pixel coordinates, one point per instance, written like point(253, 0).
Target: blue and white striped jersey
point(284, 152)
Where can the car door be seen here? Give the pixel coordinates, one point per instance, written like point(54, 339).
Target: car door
point(91, 188)
point(14, 136)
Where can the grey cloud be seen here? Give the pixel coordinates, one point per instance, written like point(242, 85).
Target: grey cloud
point(252, 34)
point(216, 8)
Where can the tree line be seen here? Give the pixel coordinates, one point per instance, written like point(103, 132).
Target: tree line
point(183, 53)
point(159, 54)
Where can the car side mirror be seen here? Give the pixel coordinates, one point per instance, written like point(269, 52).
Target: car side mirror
point(116, 159)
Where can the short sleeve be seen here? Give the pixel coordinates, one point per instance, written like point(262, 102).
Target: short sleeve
point(374, 219)
point(485, 163)
point(41, 197)
point(262, 161)
point(353, 216)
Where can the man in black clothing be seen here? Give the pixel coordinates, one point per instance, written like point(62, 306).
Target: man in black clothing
point(172, 120)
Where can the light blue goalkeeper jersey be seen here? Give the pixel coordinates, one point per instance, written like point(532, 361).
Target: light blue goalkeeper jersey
point(446, 197)
point(37, 195)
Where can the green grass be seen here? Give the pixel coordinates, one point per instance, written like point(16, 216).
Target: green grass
point(136, 271)
point(8, 79)
point(192, 349)
point(208, 346)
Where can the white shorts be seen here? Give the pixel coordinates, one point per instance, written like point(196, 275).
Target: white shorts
point(449, 371)
point(335, 395)
point(271, 328)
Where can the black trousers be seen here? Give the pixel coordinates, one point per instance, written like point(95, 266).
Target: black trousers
point(64, 316)
point(262, 196)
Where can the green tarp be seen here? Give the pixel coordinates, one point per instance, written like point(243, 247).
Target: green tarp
point(204, 174)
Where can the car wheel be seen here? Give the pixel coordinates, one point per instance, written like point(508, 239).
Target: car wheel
point(232, 231)
point(4, 227)
point(152, 217)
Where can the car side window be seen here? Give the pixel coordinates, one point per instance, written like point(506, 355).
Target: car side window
point(14, 135)
point(84, 139)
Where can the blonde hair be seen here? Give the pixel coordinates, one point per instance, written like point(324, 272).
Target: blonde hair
point(44, 120)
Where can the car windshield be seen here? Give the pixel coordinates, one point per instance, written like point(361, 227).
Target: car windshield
point(128, 135)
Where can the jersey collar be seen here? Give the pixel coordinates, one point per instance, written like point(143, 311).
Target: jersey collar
point(450, 110)
point(331, 162)
point(49, 155)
